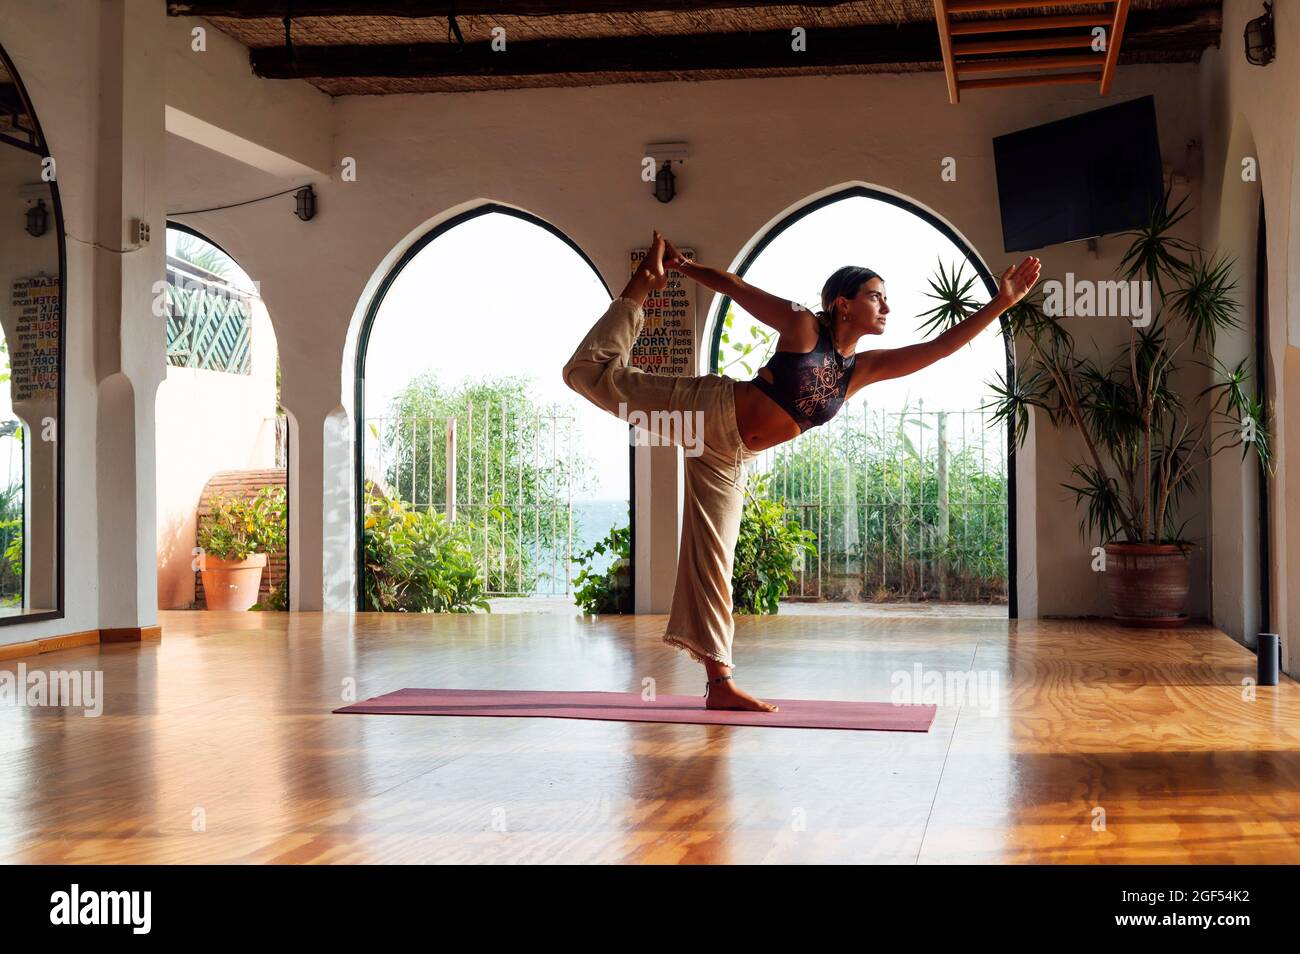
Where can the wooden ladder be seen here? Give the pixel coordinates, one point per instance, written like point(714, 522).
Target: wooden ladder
point(967, 62)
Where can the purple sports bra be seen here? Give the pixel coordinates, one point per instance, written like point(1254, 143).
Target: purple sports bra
point(811, 385)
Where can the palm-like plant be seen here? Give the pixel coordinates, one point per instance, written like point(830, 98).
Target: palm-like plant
point(1145, 443)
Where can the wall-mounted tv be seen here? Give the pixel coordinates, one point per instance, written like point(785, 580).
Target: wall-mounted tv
point(1078, 178)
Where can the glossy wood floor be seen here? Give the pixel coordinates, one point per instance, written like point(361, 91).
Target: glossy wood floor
point(217, 745)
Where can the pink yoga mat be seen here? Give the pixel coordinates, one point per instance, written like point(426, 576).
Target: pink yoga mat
point(630, 707)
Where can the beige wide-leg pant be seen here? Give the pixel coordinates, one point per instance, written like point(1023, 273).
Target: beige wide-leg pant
point(700, 621)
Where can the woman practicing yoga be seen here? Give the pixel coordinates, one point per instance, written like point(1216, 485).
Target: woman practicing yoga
point(812, 373)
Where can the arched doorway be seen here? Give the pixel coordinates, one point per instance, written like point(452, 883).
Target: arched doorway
point(910, 490)
point(221, 433)
point(33, 265)
point(464, 426)
point(1239, 523)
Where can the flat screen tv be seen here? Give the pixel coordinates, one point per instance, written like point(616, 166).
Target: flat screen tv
point(1079, 178)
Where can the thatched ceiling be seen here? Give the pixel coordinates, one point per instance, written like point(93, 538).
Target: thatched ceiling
point(372, 47)
point(15, 120)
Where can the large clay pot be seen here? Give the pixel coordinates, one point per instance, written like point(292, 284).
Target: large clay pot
point(1148, 582)
point(232, 584)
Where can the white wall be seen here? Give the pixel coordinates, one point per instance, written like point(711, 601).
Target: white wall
point(1250, 110)
point(759, 149)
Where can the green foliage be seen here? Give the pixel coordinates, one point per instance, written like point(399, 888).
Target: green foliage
point(277, 598)
point(203, 254)
point(747, 356)
point(417, 562)
point(11, 530)
point(871, 496)
point(610, 590)
point(1145, 443)
point(237, 526)
point(766, 549)
point(953, 295)
point(515, 467)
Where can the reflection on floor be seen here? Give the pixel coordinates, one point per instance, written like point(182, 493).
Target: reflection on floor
point(564, 605)
point(1071, 742)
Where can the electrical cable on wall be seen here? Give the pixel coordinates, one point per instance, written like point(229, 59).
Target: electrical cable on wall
point(218, 208)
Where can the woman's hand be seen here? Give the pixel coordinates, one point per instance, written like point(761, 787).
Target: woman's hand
point(1017, 280)
point(672, 257)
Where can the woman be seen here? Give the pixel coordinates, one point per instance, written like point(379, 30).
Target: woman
point(815, 369)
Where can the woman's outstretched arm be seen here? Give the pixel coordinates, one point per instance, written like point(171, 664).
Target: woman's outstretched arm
point(772, 310)
point(884, 363)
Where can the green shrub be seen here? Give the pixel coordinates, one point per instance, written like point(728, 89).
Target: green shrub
point(609, 591)
point(417, 562)
point(769, 541)
point(277, 598)
point(237, 526)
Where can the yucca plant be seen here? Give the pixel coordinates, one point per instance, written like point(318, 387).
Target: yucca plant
point(1145, 443)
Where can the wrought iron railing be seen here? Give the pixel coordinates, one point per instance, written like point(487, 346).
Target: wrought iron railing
point(905, 505)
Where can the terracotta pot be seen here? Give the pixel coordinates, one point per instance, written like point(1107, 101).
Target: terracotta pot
point(1148, 582)
point(232, 584)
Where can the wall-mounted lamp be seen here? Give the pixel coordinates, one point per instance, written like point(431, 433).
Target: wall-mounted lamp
point(38, 219)
point(665, 183)
point(1259, 38)
point(305, 203)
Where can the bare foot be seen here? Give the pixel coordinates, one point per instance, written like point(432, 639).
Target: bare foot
point(726, 695)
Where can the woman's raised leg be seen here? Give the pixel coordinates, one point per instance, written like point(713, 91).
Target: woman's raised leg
point(599, 368)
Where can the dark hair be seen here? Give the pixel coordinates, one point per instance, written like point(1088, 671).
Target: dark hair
point(844, 281)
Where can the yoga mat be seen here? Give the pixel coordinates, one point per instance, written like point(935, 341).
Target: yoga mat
point(630, 707)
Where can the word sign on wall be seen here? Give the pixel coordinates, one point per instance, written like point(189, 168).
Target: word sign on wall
point(666, 344)
point(34, 356)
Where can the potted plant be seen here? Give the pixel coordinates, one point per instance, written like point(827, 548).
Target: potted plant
point(1146, 441)
point(235, 539)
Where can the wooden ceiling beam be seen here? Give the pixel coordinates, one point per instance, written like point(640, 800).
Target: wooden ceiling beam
point(1039, 79)
point(945, 47)
point(1184, 29)
point(1020, 44)
point(1114, 40)
point(1089, 60)
point(416, 9)
point(988, 6)
point(844, 46)
point(968, 27)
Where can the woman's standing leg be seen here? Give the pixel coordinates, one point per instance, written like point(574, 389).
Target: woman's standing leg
point(701, 620)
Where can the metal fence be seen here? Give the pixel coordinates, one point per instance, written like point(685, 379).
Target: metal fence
point(506, 473)
point(905, 505)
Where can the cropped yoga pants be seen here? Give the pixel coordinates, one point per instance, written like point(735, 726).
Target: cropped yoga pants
point(700, 621)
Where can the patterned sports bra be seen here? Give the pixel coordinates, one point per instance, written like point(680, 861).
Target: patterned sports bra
point(811, 385)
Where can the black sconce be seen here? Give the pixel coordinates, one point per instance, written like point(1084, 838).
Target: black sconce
point(38, 219)
point(305, 203)
point(1259, 38)
point(665, 183)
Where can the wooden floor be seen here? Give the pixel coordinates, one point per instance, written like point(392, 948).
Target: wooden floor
point(217, 744)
